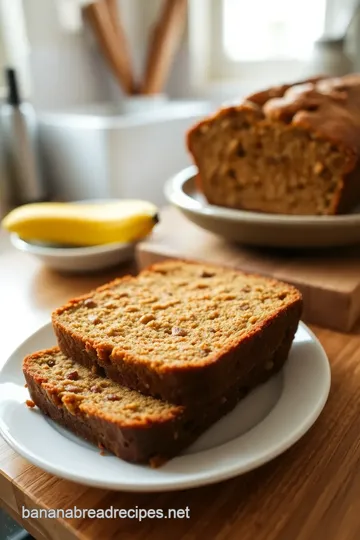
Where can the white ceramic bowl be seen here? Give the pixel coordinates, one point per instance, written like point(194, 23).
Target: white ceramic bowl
point(77, 259)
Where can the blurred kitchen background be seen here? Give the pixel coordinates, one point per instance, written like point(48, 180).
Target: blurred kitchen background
point(83, 135)
point(94, 139)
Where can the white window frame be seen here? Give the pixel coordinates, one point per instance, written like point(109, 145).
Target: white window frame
point(211, 68)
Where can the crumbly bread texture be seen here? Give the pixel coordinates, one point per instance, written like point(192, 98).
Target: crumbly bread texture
point(292, 149)
point(134, 427)
point(180, 331)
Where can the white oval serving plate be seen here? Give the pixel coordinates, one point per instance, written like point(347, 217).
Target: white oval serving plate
point(265, 424)
point(256, 228)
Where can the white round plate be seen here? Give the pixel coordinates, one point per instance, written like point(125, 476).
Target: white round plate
point(262, 426)
point(77, 259)
point(256, 228)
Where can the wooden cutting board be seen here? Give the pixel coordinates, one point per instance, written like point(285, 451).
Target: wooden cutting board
point(328, 280)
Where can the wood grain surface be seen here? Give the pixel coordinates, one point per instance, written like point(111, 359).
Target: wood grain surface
point(328, 280)
point(309, 493)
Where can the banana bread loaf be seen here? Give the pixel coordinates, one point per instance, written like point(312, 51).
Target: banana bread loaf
point(183, 332)
point(134, 427)
point(293, 149)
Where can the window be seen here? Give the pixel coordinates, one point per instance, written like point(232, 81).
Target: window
point(271, 30)
point(260, 42)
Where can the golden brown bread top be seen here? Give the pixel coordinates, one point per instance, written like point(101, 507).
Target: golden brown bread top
point(329, 108)
point(175, 314)
point(82, 392)
point(260, 98)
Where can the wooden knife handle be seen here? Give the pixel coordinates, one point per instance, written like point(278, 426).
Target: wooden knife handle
point(163, 45)
point(122, 39)
point(112, 40)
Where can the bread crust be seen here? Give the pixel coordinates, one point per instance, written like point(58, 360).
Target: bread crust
point(185, 384)
point(152, 440)
point(326, 108)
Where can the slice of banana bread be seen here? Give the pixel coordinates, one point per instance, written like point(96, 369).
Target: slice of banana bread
point(183, 332)
point(134, 427)
point(293, 149)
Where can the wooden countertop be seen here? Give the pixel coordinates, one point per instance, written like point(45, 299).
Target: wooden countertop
point(309, 493)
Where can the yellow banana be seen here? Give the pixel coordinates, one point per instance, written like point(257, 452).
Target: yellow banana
point(86, 224)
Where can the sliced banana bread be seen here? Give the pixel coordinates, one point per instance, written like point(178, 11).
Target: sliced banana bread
point(134, 427)
point(180, 331)
point(293, 149)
